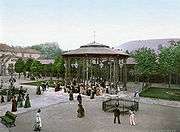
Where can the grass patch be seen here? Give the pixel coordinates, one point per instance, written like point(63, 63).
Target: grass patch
point(50, 83)
point(162, 93)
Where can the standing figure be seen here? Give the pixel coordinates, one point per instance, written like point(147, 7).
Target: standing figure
point(79, 98)
point(8, 95)
point(47, 85)
point(117, 114)
point(20, 101)
point(92, 94)
point(21, 92)
point(57, 85)
point(2, 99)
point(80, 111)
point(1, 86)
point(38, 123)
point(132, 118)
point(27, 102)
point(14, 104)
point(71, 95)
point(38, 90)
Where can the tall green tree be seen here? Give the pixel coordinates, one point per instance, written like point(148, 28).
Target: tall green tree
point(19, 66)
point(177, 57)
point(36, 68)
point(28, 64)
point(58, 67)
point(167, 62)
point(146, 63)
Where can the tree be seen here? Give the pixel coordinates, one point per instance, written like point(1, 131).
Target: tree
point(36, 68)
point(167, 62)
point(146, 63)
point(177, 57)
point(28, 64)
point(48, 50)
point(47, 69)
point(58, 67)
point(10, 69)
point(19, 66)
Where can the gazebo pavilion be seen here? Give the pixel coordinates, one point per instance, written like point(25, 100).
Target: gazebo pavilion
point(107, 60)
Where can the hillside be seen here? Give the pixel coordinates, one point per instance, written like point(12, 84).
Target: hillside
point(151, 43)
point(48, 50)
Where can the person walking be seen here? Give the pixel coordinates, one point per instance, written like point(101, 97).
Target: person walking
point(38, 123)
point(132, 118)
point(71, 95)
point(117, 114)
point(80, 111)
point(79, 98)
point(27, 102)
point(14, 104)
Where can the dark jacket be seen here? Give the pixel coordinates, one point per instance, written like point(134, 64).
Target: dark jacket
point(79, 98)
point(116, 112)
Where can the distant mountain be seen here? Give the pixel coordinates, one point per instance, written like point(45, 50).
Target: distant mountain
point(155, 44)
point(49, 50)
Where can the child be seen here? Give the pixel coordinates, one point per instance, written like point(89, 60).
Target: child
point(132, 118)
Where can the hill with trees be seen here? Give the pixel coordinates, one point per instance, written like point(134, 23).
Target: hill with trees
point(49, 50)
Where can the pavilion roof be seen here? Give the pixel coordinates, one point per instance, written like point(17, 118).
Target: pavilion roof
point(95, 49)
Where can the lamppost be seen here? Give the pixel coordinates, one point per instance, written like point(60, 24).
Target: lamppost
point(101, 66)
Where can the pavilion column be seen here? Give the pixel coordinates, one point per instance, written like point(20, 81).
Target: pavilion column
point(110, 72)
point(87, 70)
point(124, 74)
point(114, 72)
point(83, 71)
point(68, 70)
point(91, 69)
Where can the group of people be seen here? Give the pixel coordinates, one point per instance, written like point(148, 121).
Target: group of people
point(20, 102)
point(43, 87)
point(117, 113)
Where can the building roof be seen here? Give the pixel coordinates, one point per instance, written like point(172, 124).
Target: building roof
point(5, 47)
point(95, 49)
point(26, 50)
point(46, 61)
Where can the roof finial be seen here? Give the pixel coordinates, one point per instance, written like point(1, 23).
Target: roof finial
point(94, 36)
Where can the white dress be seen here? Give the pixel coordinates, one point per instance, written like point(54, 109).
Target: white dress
point(132, 119)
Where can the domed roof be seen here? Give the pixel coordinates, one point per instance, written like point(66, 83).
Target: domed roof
point(94, 44)
point(94, 49)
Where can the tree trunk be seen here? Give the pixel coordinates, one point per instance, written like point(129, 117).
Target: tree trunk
point(169, 82)
point(19, 75)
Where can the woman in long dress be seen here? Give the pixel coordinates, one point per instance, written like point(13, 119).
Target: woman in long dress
point(80, 111)
point(27, 102)
point(14, 104)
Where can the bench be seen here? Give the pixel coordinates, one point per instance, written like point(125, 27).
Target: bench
point(8, 119)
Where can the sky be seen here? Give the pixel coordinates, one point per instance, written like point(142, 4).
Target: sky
point(72, 23)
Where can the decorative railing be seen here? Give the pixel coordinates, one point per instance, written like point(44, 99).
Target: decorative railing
point(123, 104)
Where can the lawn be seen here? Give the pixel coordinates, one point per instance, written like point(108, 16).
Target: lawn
point(161, 93)
point(36, 83)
